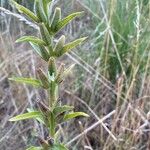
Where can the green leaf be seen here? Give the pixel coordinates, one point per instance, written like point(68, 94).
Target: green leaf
point(66, 20)
point(41, 51)
point(39, 11)
point(59, 45)
point(34, 148)
point(74, 114)
point(60, 109)
point(40, 118)
point(70, 46)
point(28, 115)
point(46, 5)
point(25, 11)
point(46, 36)
point(56, 18)
point(59, 147)
point(30, 81)
point(31, 39)
point(73, 44)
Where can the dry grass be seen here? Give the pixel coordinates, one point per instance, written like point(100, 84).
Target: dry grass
point(118, 108)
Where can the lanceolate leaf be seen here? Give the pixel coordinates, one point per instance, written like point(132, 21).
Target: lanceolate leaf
point(70, 46)
point(45, 34)
point(61, 109)
point(66, 20)
point(39, 11)
point(26, 11)
point(59, 45)
point(40, 118)
point(28, 115)
point(74, 114)
point(30, 81)
point(34, 148)
point(56, 18)
point(31, 39)
point(43, 53)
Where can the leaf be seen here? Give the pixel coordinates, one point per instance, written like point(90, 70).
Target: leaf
point(70, 46)
point(46, 36)
point(41, 51)
point(59, 147)
point(60, 109)
point(38, 9)
point(30, 81)
point(73, 44)
point(56, 18)
point(34, 148)
point(28, 115)
point(40, 118)
point(60, 43)
point(52, 123)
point(25, 11)
point(74, 114)
point(46, 5)
point(31, 39)
point(66, 20)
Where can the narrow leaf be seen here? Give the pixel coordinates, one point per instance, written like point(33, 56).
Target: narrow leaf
point(73, 44)
point(61, 109)
point(25, 11)
point(70, 46)
point(74, 114)
point(40, 50)
point(34, 148)
point(45, 34)
point(31, 39)
point(40, 118)
point(56, 18)
point(38, 9)
point(30, 81)
point(59, 45)
point(66, 20)
point(28, 115)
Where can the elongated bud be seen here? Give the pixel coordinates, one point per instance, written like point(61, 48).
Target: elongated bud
point(43, 108)
point(45, 34)
point(56, 18)
point(43, 79)
point(43, 143)
point(60, 117)
point(38, 9)
point(59, 75)
point(59, 45)
point(50, 141)
point(51, 67)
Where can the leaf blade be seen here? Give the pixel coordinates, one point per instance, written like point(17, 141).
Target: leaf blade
point(74, 114)
point(31, 39)
point(29, 115)
point(61, 109)
point(61, 24)
point(25, 11)
point(70, 46)
point(30, 81)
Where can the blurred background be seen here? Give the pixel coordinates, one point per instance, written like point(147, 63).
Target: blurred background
point(110, 82)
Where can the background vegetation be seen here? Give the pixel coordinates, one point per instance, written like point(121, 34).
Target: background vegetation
point(111, 80)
